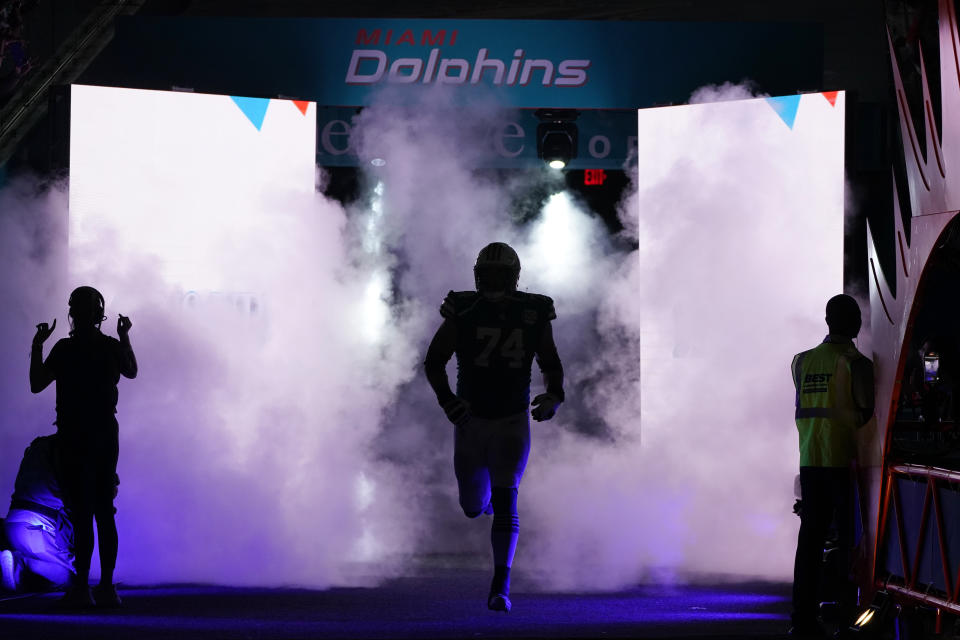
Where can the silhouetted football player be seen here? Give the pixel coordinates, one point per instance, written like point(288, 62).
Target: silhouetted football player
point(495, 332)
point(87, 366)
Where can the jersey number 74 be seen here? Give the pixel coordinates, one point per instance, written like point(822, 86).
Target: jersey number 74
point(510, 348)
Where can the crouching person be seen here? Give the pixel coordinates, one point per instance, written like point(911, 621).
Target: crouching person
point(37, 541)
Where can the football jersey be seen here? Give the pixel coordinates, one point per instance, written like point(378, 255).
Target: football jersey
point(496, 343)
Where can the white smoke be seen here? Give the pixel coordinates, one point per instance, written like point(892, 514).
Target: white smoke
point(288, 448)
point(740, 245)
point(244, 438)
point(32, 257)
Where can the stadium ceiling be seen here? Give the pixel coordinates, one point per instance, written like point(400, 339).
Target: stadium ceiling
point(528, 9)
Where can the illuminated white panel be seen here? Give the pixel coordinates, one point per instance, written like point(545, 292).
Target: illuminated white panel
point(179, 176)
point(741, 212)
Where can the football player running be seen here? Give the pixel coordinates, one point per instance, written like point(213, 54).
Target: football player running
point(495, 332)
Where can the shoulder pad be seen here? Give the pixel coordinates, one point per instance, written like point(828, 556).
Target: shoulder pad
point(545, 304)
point(455, 302)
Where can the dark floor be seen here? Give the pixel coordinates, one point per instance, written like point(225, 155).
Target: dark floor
point(445, 603)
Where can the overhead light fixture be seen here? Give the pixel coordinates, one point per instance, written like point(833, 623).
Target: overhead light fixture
point(557, 136)
point(378, 162)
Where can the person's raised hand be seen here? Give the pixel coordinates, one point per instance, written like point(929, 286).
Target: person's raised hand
point(43, 332)
point(123, 324)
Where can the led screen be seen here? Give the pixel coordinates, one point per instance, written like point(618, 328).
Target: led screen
point(178, 176)
point(741, 211)
point(195, 215)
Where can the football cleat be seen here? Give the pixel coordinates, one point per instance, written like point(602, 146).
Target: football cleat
point(499, 602)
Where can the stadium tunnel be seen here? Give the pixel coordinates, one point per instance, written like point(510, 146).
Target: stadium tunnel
point(200, 54)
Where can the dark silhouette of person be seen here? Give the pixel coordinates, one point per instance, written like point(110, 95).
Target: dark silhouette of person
point(834, 397)
point(495, 332)
point(37, 553)
point(87, 366)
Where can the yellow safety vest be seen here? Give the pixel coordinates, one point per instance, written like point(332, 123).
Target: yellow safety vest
point(826, 416)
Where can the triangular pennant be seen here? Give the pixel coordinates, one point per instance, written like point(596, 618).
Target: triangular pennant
point(302, 105)
point(786, 107)
point(831, 97)
point(254, 108)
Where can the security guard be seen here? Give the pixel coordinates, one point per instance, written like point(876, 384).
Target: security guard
point(834, 385)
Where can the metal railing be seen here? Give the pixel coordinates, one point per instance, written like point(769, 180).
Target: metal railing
point(894, 521)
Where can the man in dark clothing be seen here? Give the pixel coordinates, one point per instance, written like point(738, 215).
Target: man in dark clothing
point(495, 331)
point(87, 366)
point(834, 397)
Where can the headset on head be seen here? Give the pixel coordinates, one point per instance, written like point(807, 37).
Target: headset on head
point(89, 292)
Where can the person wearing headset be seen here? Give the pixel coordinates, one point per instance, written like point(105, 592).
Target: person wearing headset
point(87, 366)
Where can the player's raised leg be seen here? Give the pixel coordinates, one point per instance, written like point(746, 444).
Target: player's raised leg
point(473, 476)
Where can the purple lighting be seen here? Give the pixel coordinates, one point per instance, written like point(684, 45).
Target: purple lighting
point(443, 604)
point(278, 434)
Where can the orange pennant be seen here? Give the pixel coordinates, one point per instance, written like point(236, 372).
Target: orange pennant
point(831, 97)
point(302, 105)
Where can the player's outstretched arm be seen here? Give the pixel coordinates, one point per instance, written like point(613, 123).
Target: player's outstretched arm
point(435, 365)
point(438, 354)
point(545, 405)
